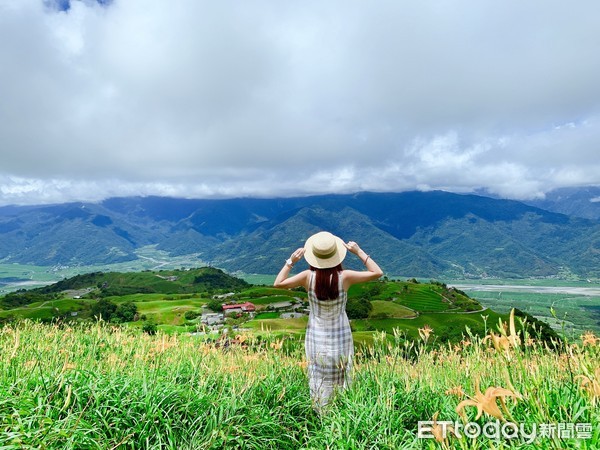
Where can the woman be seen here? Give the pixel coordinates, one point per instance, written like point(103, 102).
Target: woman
point(329, 346)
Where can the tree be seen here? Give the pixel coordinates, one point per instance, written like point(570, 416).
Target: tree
point(104, 309)
point(373, 289)
point(149, 327)
point(126, 311)
point(358, 308)
point(216, 305)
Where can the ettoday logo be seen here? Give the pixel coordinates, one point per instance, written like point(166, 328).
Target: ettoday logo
point(441, 429)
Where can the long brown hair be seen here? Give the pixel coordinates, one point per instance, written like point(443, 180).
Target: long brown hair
point(327, 282)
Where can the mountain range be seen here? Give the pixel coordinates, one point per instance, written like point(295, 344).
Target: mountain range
point(421, 234)
point(579, 202)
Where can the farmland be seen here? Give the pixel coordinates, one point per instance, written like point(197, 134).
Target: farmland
point(164, 297)
point(571, 307)
point(573, 312)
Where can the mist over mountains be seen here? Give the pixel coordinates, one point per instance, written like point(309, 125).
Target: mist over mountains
point(579, 202)
point(426, 234)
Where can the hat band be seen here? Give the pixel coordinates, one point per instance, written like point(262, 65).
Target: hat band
point(325, 255)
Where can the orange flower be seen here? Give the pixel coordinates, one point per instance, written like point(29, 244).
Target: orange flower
point(438, 431)
point(425, 332)
point(591, 384)
point(505, 341)
point(501, 343)
point(589, 338)
point(458, 391)
point(68, 366)
point(302, 364)
point(241, 338)
point(487, 402)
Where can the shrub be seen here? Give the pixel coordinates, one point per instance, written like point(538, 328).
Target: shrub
point(215, 304)
point(358, 308)
point(126, 311)
point(149, 327)
point(104, 309)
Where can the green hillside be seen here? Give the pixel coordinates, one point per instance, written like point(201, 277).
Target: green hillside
point(164, 282)
point(75, 297)
point(174, 301)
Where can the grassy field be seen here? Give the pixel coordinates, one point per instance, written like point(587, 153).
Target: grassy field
point(101, 387)
point(291, 326)
point(47, 309)
point(445, 326)
point(258, 279)
point(390, 309)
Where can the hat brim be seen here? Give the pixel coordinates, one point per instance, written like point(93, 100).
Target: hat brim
point(324, 263)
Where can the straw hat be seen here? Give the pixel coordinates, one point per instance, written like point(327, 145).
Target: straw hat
point(324, 250)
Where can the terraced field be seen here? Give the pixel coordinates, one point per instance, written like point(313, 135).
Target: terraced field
point(391, 309)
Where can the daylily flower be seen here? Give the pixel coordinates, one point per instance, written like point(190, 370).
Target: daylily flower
point(457, 390)
point(505, 341)
point(425, 332)
point(589, 338)
point(591, 384)
point(438, 431)
point(486, 402)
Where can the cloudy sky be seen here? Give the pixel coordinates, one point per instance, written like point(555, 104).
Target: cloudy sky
point(196, 98)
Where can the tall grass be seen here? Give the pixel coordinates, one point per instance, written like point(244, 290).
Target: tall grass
point(102, 387)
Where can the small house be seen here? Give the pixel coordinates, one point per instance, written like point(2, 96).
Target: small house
point(239, 308)
point(212, 318)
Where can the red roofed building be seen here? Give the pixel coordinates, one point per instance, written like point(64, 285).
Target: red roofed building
point(239, 308)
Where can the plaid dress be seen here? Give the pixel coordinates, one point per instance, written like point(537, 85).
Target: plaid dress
point(329, 345)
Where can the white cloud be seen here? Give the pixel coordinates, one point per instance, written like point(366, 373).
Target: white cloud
point(199, 98)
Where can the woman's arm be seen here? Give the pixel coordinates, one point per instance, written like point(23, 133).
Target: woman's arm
point(282, 280)
point(352, 276)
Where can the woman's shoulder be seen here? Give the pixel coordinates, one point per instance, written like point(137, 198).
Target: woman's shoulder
point(348, 273)
point(351, 277)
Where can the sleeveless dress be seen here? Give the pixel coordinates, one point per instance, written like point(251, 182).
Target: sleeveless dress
point(329, 345)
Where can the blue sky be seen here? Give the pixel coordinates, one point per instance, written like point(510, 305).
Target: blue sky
point(198, 98)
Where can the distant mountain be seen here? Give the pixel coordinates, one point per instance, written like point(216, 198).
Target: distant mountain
point(579, 202)
point(426, 234)
point(73, 233)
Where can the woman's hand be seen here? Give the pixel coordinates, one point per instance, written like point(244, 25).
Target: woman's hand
point(352, 247)
point(300, 279)
point(297, 255)
point(372, 272)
